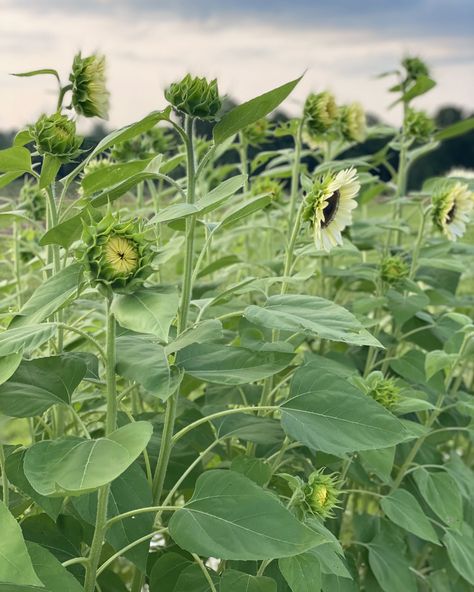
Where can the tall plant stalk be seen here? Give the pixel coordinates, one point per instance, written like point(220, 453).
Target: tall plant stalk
point(172, 403)
point(110, 426)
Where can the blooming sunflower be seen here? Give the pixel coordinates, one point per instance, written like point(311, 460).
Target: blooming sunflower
point(452, 206)
point(329, 204)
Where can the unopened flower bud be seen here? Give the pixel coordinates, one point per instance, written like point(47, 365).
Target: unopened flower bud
point(321, 493)
point(320, 113)
point(55, 135)
point(353, 124)
point(197, 97)
point(90, 96)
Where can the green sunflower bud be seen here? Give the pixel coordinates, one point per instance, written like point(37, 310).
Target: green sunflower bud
point(418, 125)
point(154, 141)
point(55, 135)
point(90, 96)
point(415, 68)
point(195, 96)
point(33, 200)
point(383, 390)
point(256, 134)
point(267, 185)
point(117, 254)
point(321, 493)
point(394, 269)
point(320, 113)
point(353, 124)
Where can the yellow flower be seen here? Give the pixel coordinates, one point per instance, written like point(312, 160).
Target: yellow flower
point(452, 206)
point(121, 254)
point(329, 206)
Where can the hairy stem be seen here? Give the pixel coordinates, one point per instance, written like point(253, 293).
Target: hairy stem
point(110, 426)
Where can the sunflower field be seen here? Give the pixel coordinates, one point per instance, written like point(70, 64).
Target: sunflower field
point(230, 368)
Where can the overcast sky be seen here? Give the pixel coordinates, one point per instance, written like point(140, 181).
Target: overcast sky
point(249, 45)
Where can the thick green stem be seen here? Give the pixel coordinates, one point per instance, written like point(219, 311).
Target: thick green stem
point(418, 243)
point(295, 174)
point(244, 165)
point(110, 426)
point(17, 263)
point(172, 403)
point(5, 484)
point(401, 177)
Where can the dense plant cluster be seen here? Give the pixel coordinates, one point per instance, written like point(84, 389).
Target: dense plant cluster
point(250, 377)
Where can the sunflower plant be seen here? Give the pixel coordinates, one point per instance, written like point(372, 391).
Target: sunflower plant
point(228, 365)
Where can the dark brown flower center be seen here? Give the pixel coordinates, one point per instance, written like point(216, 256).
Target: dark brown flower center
point(450, 215)
point(330, 210)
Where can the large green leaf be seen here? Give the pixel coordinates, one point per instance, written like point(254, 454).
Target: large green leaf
point(62, 537)
point(52, 295)
point(238, 581)
point(249, 112)
point(16, 475)
point(129, 491)
point(15, 563)
point(327, 413)
point(148, 310)
point(456, 129)
point(54, 576)
point(14, 160)
point(205, 205)
point(390, 566)
point(8, 365)
point(38, 384)
point(460, 547)
point(231, 517)
point(166, 571)
point(404, 510)
point(192, 579)
point(442, 494)
point(111, 175)
point(302, 572)
point(25, 339)
point(65, 233)
point(141, 359)
point(310, 315)
point(230, 365)
point(71, 465)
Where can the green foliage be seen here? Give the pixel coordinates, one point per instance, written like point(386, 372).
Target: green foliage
point(232, 405)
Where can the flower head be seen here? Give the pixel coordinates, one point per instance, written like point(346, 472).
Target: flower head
point(256, 133)
point(383, 390)
point(353, 124)
point(321, 493)
point(328, 206)
point(117, 254)
point(320, 113)
point(33, 200)
point(418, 125)
point(55, 135)
point(195, 96)
point(394, 269)
point(452, 204)
point(264, 184)
point(415, 67)
point(90, 96)
point(155, 141)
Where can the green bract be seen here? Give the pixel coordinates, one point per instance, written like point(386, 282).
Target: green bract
point(321, 493)
point(415, 67)
point(55, 135)
point(116, 254)
point(394, 269)
point(383, 390)
point(90, 96)
point(320, 113)
point(418, 125)
point(197, 97)
point(352, 121)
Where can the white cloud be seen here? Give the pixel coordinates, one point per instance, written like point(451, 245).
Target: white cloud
point(148, 51)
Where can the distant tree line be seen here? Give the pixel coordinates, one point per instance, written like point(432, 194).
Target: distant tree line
point(455, 152)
